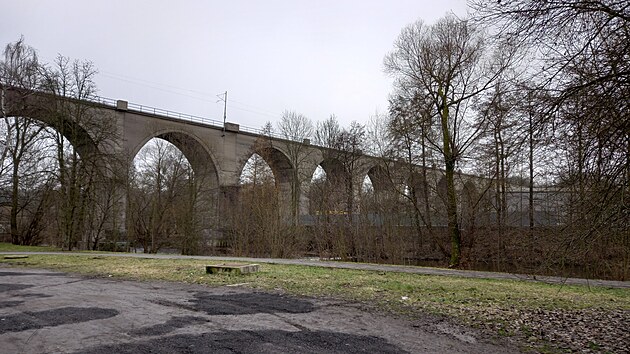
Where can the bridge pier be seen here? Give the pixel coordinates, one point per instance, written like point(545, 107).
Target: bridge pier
point(217, 155)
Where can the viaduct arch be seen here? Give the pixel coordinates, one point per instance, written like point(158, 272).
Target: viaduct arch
point(219, 152)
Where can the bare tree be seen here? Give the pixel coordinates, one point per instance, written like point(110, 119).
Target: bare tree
point(498, 112)
point(92, 159)
point(163, 199)
point(580, 70)
point(447, 63)
point(256, 170)
point(588, 39)
point(297, 130)
point(349, 150)
point(51, 110)
point(327, 132)
point(345, 148)
point(378, 137)
point(327, 135)
point(21, 71)
point(410, 126)
point(258, 227)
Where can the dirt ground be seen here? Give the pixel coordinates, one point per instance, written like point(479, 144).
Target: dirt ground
point(47, 312)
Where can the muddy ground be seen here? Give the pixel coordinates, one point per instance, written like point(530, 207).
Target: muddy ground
point(48, 312)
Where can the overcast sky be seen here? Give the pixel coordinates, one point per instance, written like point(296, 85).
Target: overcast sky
point(315, 57)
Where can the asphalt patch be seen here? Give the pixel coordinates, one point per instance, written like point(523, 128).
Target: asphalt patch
point(4, 287)
point(50, 318)
point(33, 295)
point(10, 274)
point(249, 303)
point(6, 304)
point(269, 341)
point(169, 326)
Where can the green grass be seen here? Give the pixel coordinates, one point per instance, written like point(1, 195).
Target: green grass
point(8, 247)
point(395, 291)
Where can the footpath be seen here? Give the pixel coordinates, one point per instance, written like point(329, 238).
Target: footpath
point(362, 266)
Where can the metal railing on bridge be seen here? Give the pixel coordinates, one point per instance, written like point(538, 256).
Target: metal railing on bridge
point(168, 114)
point(182, 116)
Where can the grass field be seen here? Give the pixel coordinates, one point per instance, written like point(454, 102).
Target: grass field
point(496, 304)
point(8, 247)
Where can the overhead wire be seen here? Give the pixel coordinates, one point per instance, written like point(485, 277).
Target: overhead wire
point(132, 79)
point(234, 104)
point(197, 95)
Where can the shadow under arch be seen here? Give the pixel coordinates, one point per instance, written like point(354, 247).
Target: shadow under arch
point(45, 110)
point(198, 155)
point(381, 180)
point(469, 203)
point(470, 194)
point(419, 187)
point(277, 160)
point(277, 195)
point(336, 173)
point(331, 194)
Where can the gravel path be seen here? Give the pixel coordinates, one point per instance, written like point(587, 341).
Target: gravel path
point(372, 267)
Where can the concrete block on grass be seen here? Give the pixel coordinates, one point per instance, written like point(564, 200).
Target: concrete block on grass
point(15, 256)
point(232, 268)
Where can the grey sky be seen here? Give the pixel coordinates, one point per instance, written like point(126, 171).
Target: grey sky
point(315, 57)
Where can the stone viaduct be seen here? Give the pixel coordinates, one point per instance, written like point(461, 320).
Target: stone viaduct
point(218, 152)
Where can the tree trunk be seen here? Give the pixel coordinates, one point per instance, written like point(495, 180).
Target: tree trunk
point(451, 210)
point(425, 187)
point(296, 186)
point(531, 179)
point(451, 199)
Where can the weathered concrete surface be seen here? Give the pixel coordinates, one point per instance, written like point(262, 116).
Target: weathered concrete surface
point(232, 268)
point(47, 312)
